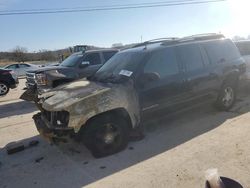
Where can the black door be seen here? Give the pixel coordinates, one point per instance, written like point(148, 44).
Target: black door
point(166, 90)
point(197, 68)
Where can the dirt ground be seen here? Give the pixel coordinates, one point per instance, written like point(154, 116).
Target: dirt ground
point(176, 152)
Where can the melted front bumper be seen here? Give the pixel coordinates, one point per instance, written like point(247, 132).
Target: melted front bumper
point(48, 133)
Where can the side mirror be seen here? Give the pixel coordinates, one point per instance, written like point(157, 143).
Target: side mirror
point(84, 64)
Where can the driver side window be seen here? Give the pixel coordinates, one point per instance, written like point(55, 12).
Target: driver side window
point(93, 59)
point(162, 62)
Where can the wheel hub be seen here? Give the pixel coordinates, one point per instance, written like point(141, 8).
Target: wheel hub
point(228, 96)
point(3, 88)
point(109, 138)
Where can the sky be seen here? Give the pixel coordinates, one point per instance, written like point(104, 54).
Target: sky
point(104, 28)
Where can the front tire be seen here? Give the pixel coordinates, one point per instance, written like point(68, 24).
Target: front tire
point(227, 97)
point(106, 135)
point(4, 88)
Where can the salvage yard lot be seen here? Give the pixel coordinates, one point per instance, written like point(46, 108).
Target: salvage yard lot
point(175, 153)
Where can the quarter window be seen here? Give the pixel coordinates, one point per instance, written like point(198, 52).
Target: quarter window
point(221, 49)
point(162, 62)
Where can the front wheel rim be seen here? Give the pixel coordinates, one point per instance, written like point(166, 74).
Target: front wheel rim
point(228, 97)
point(3, 89)
point(108, 137)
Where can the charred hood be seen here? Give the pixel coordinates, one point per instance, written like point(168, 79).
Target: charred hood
point(67, 94)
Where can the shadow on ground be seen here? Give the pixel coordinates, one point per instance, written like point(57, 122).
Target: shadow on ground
point(71, 164)
point(13, 109)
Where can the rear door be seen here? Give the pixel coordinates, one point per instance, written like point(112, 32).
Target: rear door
point(169, 90)
point(95, 63)
point(197, 69)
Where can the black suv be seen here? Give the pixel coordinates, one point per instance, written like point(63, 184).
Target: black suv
point(78, 65)
point(8, 79)
point(155, 76)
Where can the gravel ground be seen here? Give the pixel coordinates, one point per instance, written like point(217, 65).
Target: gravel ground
point(175, 153)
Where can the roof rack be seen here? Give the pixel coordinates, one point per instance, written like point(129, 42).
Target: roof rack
point(205, 36)
point(173, 40)
point(156, 41)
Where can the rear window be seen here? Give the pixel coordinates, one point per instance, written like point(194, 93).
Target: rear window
point(221, 49)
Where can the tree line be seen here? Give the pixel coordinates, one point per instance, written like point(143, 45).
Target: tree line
point(21, 54)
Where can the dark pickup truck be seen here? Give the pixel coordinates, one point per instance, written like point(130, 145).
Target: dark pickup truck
point(78, 65)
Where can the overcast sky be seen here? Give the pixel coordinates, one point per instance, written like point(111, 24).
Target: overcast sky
point(103, 28)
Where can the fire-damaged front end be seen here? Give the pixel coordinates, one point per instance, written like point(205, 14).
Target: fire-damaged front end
point(66, 109)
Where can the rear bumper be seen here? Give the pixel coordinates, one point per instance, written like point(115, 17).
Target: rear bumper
point(48, 133)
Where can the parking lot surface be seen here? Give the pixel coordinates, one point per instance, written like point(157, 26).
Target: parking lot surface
point(176, 152)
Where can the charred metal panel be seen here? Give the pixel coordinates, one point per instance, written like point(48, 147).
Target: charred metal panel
point(84, 99)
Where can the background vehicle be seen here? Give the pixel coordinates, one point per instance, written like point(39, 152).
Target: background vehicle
point(78, 65)
point(8, 80)
point(244, 48)
point(21, 68)
point(153, 78)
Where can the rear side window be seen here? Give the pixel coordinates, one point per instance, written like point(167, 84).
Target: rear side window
point(221, 50)
point(12, 67)
point(93, 59)
point(23, 66)
point(163, 62)
point(191, 57)
point(108, 55)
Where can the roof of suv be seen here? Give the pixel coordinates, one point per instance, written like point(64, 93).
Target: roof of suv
point(160, 43)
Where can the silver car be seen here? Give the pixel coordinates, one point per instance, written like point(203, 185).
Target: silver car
point(21, 68)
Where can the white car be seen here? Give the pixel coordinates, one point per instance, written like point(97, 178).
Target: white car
point(21, 68)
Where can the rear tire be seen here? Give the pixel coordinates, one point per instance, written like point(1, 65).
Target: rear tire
point(106, 135)
point(4, 88)
point(226, 97)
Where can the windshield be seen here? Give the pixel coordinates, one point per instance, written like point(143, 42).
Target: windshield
point(120, 65)
point(71, 61)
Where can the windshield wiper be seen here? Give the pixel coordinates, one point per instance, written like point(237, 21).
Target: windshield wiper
point(108, 78)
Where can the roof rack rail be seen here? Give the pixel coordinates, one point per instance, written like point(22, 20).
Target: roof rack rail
point(155, 41)
point(205, 36)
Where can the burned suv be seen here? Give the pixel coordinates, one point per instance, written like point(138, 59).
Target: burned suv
point(157, 76)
